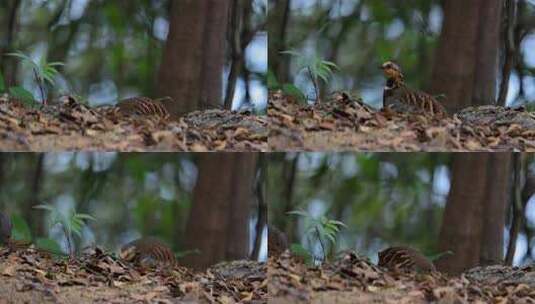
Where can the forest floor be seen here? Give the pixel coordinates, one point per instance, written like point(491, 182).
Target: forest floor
point(345, 124)
point(57, 128)
point(28, 276)
point(356, 280)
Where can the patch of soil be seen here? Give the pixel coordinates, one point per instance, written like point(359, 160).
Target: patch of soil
point(343, 123)
point(31, 276)
point(78, 127)
point(353, 279)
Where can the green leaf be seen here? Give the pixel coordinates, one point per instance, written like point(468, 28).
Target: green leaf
point(272, 82)
point(52, 64)
point(21, 230)
point(49, 245)
point(44, 207)
point(331, 238)
point(22, 94)
point(2, 83)
point(299, 250)
point(21, 55)
point(298, 212)
point(294, 91)
point(292, 53)
point(84, 216)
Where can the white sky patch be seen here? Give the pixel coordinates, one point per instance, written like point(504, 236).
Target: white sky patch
point(530, 211)
point(317, 207)
point(435, 19)
point(161, 28)
point(350, 166)
point(77, 9)
point(57, 162)
point(514, 88)
point(528, 45)
point(258, 93)
point(395, 29)
point(441, 184)
point(256, 53)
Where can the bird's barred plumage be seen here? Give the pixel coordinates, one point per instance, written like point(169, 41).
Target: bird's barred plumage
point(397, 96)
point(148, 252)
point(143, 106)
point(404, 258)
point(277, 241)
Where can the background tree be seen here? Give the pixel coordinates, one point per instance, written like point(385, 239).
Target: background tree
point(194, 55)
point(466, 59)
point(218, 222)
point(474, 216)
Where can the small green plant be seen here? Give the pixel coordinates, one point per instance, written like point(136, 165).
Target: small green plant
point(316, 68)
point(21, 232)
point(530, 106)
point(323, 228)
point(43, 71)
point(288, 88)
point(71, 223)
point(17, 92)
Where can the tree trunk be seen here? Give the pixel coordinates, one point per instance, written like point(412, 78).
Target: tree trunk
point(35, 181)
point(466, 60)
point(218, 225)
point(277, 28)
point(192, 67)
point(474, 217)
point(8, 20)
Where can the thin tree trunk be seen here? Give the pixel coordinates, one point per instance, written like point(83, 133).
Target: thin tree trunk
point(262, 206)
point(466, 60)
point(218, 225)
point(8, 67)
point(517, 205)
point(192, 67)
point(278, 21)
point(35, 178)
point(290, 171)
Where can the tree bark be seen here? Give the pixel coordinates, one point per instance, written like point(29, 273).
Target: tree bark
point(192, 67)
point(474, 217)
point(218, 225)
point(35, 179)
point(277, 28)
point(466, 60)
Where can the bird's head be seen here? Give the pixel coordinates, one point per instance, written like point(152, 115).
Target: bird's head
point(391, 70)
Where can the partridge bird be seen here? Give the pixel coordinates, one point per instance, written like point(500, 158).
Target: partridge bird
point(148, 252)
point(397, 96)
point(143, 106)
point(277, 241)
point(404, 259)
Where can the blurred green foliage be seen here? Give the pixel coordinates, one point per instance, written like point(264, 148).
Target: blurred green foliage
point(111, 49)
point(323, 229)
point(70, 221)
point(130, 195)
point(383, 198)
